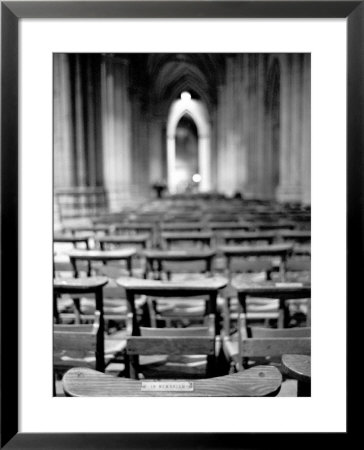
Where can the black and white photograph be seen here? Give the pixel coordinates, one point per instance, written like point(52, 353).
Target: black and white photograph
point(182, 224)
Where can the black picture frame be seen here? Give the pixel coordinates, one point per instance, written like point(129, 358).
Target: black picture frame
point(11, 13)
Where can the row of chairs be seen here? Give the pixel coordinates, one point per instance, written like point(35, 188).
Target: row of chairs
point(211, 348)
point(218, 348)
point(187, 353)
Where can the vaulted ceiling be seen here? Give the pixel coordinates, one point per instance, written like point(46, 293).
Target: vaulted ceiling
point(163, 76)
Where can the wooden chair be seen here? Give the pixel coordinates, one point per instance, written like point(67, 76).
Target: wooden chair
point(256, 382)
point(116, 309)
point(267, 345)
point(190, 352)
point(160, 262)
point(253, 261)
point(76, 345)
point(283, 293)
point(176, 309)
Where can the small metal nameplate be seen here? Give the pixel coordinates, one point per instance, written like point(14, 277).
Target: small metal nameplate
point(289, 285)
point(167, 386)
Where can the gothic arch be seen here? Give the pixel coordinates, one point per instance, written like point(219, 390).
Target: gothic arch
point(197, 111)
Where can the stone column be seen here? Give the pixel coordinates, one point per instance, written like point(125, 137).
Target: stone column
point(229, 167)
point(91, 131)
point(62, 123)
point(204, 162)
point(171, 163)
point(252, 138)
point(296, 128)
point(306, 130)
point(116, 130)
point(155, 150)
point(221, 142)
point(291, 130)
point(79, 130)
point(261, 180)
point(245, 113)
point(285, 128)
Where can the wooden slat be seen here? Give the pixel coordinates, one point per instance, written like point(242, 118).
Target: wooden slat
point(82, 341)
point(256, 382)
point(260, 332)
point(244, 250)
point(170, 346)
point(252, 347)
point(179, 287)
point(174, 332)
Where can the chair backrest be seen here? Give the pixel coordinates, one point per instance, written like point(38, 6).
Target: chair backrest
point(173, 342)
point(255, 382)
point(76, 341)
point(275, 342)
point(261, 332)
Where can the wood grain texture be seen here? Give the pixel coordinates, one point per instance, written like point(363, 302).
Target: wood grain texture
point(79, 338)
point(260, 332)
point(174, 332)
point(297, 366)
point(256, 382)
point(176, 288)
point(252, 347)
point(170, 345)
point(74, 340)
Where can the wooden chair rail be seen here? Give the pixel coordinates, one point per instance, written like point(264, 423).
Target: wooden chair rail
point(258, 381)
point(257, 347)
point(183, 345)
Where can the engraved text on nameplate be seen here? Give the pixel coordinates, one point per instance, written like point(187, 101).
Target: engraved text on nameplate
point(167, 386)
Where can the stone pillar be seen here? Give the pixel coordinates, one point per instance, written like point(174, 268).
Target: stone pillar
point(245, 114)
point(62, 123)
point(228, 160)
point(221, 141)
point(79, 130)
point(292, 130)
point(155, 150)
point(296, 129)
point(252, 138)
point(204, 162)
point(91, 125)
point(171, 163)
point(306, 130)
point(116, 130)
point(285, 128)
point(261, 181)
